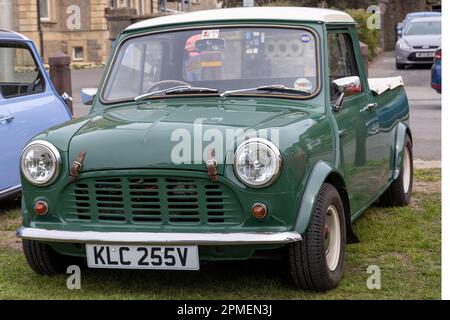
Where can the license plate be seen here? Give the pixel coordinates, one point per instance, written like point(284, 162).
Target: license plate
point(142, 257)
point(425, 54)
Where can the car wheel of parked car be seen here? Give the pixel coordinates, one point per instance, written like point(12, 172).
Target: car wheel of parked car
point(400, 66)
point(399, 193)
point(42, 258)
point(317, 261)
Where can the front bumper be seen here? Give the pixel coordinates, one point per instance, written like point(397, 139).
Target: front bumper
point(408, 56)
point(237, 238)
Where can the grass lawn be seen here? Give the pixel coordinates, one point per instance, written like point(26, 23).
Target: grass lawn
point(404, 242)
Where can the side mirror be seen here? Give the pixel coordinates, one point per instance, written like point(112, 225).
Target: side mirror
point(399, 28)
point(67, 98)
point(346, 87)
point(88, 95)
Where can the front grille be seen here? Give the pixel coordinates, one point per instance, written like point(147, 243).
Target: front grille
point(426, 47)
point(150, 200)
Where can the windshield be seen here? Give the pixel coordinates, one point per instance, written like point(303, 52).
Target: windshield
point(413, 16)
point(424, 28)
point(224, 59)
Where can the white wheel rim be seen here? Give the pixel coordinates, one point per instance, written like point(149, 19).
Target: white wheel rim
point(332, 239)
point(406, 170)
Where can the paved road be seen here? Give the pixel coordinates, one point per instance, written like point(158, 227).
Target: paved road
point(425, 103)
point(88, 78)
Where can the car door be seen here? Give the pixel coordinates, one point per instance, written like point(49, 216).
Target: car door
point(28, 106)
point(361, 146)
point(6, 158)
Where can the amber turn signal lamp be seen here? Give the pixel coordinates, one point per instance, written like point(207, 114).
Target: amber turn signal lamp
point(41, 208)
point(259, 211)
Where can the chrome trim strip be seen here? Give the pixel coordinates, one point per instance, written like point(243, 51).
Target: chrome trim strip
point(12, 190)
point(158, 237)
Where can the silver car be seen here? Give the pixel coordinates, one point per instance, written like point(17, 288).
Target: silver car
point(421, 39)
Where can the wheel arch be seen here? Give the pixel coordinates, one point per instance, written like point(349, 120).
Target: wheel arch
point(335, 179)
point(323, 173)
point(401, 133)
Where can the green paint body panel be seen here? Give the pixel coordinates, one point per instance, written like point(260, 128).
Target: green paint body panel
point(124, 140)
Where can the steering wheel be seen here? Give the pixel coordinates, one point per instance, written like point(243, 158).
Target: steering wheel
point(166, 83)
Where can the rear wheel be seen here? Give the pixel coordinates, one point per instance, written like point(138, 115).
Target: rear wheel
point(43, 259)
point(399, 192)
point(317, 261)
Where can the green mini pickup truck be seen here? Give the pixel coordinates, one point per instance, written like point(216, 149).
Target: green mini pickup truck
point(221, 135)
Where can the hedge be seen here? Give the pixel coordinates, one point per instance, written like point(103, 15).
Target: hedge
point(366, 35)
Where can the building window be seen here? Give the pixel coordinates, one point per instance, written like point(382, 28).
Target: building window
point(121, 3)
point(78, 54)
point(44, 7)
point(141, 7)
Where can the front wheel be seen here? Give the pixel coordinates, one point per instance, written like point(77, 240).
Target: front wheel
point(400, 66)
point(317, 261)
point(43, 259)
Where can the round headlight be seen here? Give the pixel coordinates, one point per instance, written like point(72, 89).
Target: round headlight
point(402, 44)
point(40, 162)
point(257, 162)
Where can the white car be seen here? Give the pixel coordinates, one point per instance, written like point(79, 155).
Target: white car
point(421, 39)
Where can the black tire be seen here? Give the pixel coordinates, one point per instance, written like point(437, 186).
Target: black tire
point(400, 66)
point(395, 195)
point(43, 259)
point(307, 258)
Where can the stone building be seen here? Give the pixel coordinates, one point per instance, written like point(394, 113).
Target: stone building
point(76, 27)
point(195, 5)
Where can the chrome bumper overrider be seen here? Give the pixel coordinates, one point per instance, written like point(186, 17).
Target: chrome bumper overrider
point(158, 238)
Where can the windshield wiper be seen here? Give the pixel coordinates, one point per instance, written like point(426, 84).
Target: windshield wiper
point(276, 87)
point(176, 90)
point(281, 88)
point(191, 90)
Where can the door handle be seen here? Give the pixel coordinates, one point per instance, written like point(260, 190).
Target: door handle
point(342, 133)
point(369, 106)
point(6, 118)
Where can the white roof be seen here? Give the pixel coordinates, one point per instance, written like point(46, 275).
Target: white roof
point(256, 13)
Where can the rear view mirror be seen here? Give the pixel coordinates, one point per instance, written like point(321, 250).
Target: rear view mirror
point(67, 98)
point(346, 87)
point(88, 95)
point(399, 29)
point(205, 45)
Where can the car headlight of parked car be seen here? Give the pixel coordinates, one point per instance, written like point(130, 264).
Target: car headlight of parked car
point(257, 162)
point(40, 162)
point(402, 44)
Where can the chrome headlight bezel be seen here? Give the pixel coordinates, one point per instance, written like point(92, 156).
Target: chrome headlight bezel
point(55, 156)
point(274, 151)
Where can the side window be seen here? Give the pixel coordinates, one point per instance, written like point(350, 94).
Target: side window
point(341, 58)
point(19, 74)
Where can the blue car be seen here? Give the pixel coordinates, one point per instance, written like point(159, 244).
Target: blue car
point(29, 104)
point(436, 72)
